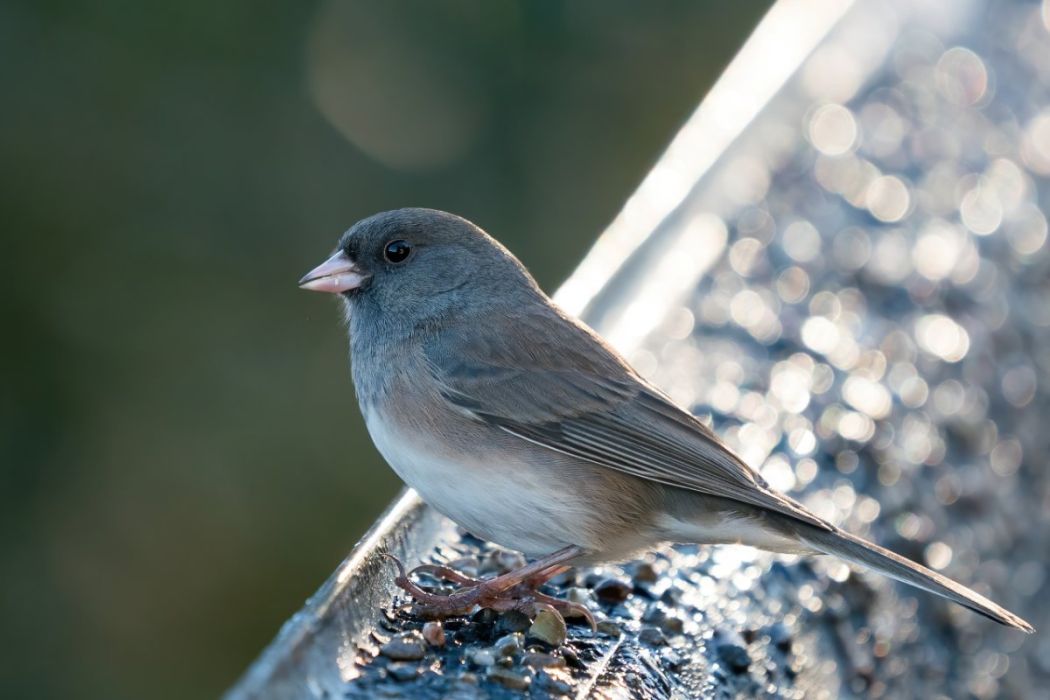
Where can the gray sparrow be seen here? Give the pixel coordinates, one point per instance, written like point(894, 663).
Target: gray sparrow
point(522, 425)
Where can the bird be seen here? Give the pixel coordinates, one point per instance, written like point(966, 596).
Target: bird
point(521, 424)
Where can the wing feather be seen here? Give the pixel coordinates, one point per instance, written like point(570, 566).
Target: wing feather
point(567, 391)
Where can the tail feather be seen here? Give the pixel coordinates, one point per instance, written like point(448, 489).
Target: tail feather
point(854, 549)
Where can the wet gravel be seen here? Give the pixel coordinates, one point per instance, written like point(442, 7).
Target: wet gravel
point(674, 631)
point(872, 337)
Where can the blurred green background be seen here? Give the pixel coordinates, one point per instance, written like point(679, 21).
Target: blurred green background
point(182, 458)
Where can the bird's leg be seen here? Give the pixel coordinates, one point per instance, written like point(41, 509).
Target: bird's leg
point(531, 600)
point(447, 573)
point(565, 608)
point(549, 573)
point(512, 590)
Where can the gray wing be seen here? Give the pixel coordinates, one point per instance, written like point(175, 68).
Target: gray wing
point(549, 380)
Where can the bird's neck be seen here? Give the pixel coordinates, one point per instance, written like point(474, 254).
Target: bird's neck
point(382, 347)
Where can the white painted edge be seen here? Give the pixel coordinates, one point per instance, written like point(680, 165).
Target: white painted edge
point(783, 38)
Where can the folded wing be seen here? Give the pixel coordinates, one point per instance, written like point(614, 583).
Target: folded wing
point(567, 391)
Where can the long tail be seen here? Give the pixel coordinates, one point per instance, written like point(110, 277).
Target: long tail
point(855, 550)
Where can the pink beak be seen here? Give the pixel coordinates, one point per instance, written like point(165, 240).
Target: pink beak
point(335, 275)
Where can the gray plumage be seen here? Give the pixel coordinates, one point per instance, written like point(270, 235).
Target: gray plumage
point(521, 424)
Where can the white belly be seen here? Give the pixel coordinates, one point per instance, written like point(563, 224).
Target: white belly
point(502, 501)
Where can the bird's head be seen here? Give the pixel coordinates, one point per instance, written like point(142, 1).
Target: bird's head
point(417, 263)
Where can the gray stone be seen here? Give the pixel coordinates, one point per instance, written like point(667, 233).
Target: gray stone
point(553, 682)
point(508, 678)
point(652, 636)
point(612, 590)
point(780, 636)
point(407, 646)
point(733, 655)
point(481, 657)
point(672, 625)
point(654, 614)
point(509, 645)
point(645, 573)
point(434, 634)
point(501, 561)
point(671, 658)
point(537, 659)
point(403, 670)
point(578, 595)
point(512, 621)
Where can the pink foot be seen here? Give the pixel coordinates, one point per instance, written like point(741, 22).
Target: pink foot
point(515, 590)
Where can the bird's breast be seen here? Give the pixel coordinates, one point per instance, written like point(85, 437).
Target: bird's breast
point(500, 494)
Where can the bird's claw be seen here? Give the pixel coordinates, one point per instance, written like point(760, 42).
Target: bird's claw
point(566, 608)
point(445, 573)
point(481, 593)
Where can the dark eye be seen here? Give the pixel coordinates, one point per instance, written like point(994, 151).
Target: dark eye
point(396, 251)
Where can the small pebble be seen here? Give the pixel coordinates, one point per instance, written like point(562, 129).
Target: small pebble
point(734, 656)
point(564, 580)
point(593, 578)
point(501, 561)
point(485, 616)
point(645, 573)
point(652, 636)
point(549, 628)
point(537, 659)
point(468, 678)
point(468, 566)
point(402, 670)
point(780, 636)
point(481, 657)
point(645, 590)
point(434, 634)
point(671, 658)
point(407, 646)
point(552, 683)
point(671, 596)
point(512, 621)
point(578, 595)
point(509, 645)
point(612, 590)
point(508, 678)
point(571, 657)
point(509, 561)
point(672, 625)
point(609, 628)
point(654, 614)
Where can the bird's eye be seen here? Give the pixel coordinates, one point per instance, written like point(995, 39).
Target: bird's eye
point(396, 251)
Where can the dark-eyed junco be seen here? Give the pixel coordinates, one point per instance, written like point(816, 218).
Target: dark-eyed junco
point(519, 423)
